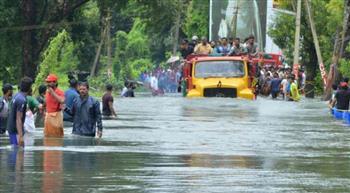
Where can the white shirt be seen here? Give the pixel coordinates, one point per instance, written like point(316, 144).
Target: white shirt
point(284, 84)
point(154, 83)
point(122, 94)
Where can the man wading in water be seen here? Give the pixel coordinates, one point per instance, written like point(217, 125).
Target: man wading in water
point(342, 97)
point(86, 113)
point(18, 108)
point(107, 102)
point(7, 89)
point(54, 101)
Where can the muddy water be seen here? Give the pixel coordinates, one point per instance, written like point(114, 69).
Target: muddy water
point(174, 144)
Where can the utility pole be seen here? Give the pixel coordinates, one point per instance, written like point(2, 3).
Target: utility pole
point(98, 53)
point(297, 41)
point(317, 46)
point(105, 39)
point(109, 44)
point(176, 35)
point(234, 19)
point(178, 14)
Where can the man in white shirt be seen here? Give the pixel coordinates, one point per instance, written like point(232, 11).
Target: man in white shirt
point(284, 84)
point(154, 84)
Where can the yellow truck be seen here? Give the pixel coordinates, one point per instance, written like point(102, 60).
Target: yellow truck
point(222, 76)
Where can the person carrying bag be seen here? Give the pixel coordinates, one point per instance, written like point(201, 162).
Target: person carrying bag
point(29, 129)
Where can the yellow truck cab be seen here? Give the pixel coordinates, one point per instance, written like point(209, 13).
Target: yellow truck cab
point(223, 76)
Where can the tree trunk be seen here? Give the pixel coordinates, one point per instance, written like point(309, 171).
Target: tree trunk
point(310, 62)
point(28, 40)
point(98, 53)
point(333, 69)
point(33, 40)
point(316, 44)
point(311, 69)
point(346, 31)
point(297, 41)
point(339, 51)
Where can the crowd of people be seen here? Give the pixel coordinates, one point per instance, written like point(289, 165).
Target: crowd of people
point(222, 47)
point(51, 107)
point(281, 82)
point(162, 81)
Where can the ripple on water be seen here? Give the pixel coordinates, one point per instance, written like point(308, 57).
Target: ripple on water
point(174, 144)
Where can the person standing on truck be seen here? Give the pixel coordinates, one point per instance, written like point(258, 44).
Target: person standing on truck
point(203, 48)
point(194, 41)
point(237, 48)
point(251, 46)
point(224, 48)
point(185, 49)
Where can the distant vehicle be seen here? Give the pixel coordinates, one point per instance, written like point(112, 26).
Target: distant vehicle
point(269, 59)
point(223, 76)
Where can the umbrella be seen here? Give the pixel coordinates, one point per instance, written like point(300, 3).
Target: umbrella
point(173, 59)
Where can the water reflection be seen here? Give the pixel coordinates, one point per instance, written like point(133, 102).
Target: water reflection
point(15, 175)
point(15, 163)
point(213, 145)
point(52, 166)
point(80, 162)
point(219, 161)
point(28, 139)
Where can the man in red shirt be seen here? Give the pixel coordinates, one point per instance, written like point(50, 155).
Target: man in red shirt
point(54, 105)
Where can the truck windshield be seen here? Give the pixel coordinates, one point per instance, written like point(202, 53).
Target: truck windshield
point(208, 69)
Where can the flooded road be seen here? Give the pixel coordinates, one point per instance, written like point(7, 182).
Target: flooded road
point(174, 144)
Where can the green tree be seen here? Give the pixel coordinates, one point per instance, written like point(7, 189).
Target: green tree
point(159, 17)
point(10, 47)
point(27, 25)
point(58, 58)
point(345, 65)
point(326, 22)
point(85, 34)
point(132, 53)
point(121, 40)
point(197, 18)
point(148, 31)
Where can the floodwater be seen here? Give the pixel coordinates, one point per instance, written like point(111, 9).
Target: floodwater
point(174, 144)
